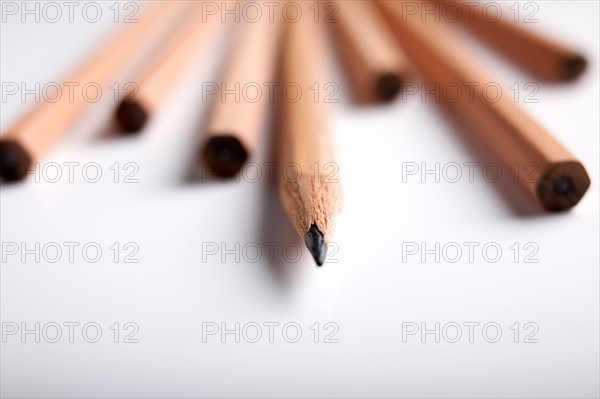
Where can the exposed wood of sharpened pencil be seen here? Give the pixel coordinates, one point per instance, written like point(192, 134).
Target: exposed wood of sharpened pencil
point(540, 56)
point(375, 65)
point(38, 131)
point(239, 109)
point(166, 69)
point(309, 194)
point(558, 180)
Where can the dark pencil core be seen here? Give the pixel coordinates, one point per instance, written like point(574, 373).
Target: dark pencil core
point(131, 116)
point(563, 185)
point(315, 242)
point(388, 86)
point(574, 66)
point(14, 161)
point(225, 155)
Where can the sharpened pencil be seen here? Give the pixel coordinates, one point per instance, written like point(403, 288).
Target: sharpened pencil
point(310, 193)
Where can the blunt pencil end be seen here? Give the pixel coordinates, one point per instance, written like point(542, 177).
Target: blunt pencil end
point(388, 86)
point(574, 66)
point(131, 116)
point(14, 161)
point(563, 186)
point(225, 155)
point(315, 242)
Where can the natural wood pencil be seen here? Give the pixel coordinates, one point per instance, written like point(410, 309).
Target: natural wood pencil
point(239, 109)
point(555, 178)
point(375, 65)
point(162, 74)
point(542, 57)
point(36, 133)
point(308, 183)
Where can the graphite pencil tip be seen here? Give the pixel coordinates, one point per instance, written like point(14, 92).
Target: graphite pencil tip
point(315, 242)
point(14, 161)
point(131, 116)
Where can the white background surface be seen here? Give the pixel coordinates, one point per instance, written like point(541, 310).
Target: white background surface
point(369, 293)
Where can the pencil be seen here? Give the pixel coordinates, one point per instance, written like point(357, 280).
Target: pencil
point(38, 131)
point(375, 65)
point(555, 178)
point(542, 57)
point(162, 74)
point(240, 106)
point(309, 191)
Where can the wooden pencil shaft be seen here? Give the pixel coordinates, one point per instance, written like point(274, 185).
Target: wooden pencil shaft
point(375, 65)
point(540, 56)
point(167, 68)
point(239, 108)
point(310, 194)
point(33, 135)
point(558, 180)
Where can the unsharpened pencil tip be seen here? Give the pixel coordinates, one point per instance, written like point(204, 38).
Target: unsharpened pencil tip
point(131, 116)
point(225, 155)
point(14, 161)
point(574, 66)
point(315, 242)
point(563, 186)
point(388, 86)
